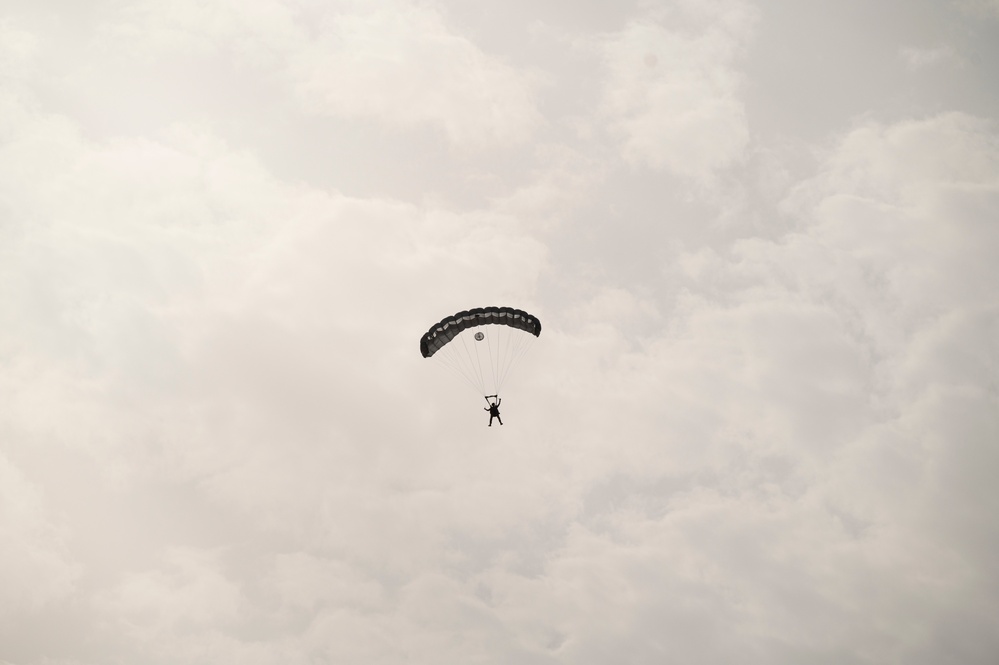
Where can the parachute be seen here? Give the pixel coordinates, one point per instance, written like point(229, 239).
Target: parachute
point(483, 359)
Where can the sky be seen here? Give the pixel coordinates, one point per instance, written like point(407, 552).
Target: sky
point(761, 421)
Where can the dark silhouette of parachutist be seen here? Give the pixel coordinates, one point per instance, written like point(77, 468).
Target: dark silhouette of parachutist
point(493, 410)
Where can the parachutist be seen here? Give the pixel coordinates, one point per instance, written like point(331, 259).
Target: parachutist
point(507, 333)
point(493, 410)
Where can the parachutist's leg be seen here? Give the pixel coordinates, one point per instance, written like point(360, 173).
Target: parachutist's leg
point(499, 419)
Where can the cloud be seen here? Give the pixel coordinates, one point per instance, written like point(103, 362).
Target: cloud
point(400, 64)
point(36, 568)
point(796, 447)
point(672, 91)
point(912, 199)
point(980, 8)
point(19, 48)
point(404, 65)
point(256, 334)
point(190, 591)
point(921, 58)
point(898, 218)
point(219, 442)
point(799, 445)
point(258, 341)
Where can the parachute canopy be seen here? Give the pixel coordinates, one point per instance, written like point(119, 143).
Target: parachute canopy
point(449, 327)
point(482, 360)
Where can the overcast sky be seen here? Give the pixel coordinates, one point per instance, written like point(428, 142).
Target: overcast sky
point(761, 423)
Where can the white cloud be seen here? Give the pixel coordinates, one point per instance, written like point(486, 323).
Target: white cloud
point(672, 91)
point(306, 582)
point(398, 63)
point(563, 184)
point(18, 49)
point(258, 342)
point(796, 449)
point(403, 64)
point(189, 591)
point(912, 200)
point(219, 443)
point(258, 31)
point(980, 8)
point(36, 567)
point(178, 283)
point(921, 58)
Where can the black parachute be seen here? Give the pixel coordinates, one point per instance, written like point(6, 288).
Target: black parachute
point(483, 360)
